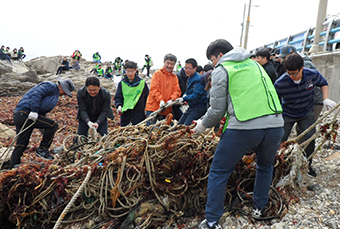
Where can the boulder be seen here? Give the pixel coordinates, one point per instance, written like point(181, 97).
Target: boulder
point(44, 65)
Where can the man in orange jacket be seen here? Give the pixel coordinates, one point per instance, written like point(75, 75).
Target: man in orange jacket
point(164, 88)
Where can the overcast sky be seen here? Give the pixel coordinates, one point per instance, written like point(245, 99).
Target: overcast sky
point(132, 28)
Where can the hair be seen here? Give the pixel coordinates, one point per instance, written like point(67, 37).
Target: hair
point(199, 68)
point(170, 57)
point(263, 53)
point(293, 62)
point(217, 47)
point(252, 56)
point(208, 67)
point(192, 61)
point(130, 64)
point(94, 81)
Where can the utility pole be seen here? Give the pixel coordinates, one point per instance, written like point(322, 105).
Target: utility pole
point(244, 12)
point(318, 28)
point(247, 27)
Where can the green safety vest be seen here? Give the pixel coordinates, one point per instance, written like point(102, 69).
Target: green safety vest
point(179, 67)
point(131, 95)
point(109, 70)
point(100, 71)
point(95, 57)
point(252, 96)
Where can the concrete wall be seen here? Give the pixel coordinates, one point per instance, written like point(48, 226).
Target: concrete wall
point(328, 64)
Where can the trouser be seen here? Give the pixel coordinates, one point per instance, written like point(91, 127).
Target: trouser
point(317, 110)
point(48, 125)
point(153, 121)
point(192, 114)
point(304, 123)
point(147, 69)
point(230, 149)
point(177, 112)
point(131, 116)
point(83, 127)
point(60, 70)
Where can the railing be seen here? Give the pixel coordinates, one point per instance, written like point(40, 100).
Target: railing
point(303, 41)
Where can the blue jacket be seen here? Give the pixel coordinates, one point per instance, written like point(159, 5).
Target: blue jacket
point(196, 95)
point(42, 98)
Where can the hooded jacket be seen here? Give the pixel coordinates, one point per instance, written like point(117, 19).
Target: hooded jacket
point(220, 100)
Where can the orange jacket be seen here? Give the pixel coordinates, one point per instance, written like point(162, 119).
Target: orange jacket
point(164, 86)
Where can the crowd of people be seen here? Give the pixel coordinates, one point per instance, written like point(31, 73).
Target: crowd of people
point(6, 54)
point(261, 96)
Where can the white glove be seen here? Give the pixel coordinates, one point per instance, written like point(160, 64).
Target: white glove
point(119, 110)
point(169, 103)
point(180, 100)
point(161, 104)
point(329, 104)
point(93, 125)
point(33, 116)
point(199, 128)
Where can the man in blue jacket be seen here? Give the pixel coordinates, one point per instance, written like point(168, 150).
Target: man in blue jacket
point(195, 95)
point(31, 112)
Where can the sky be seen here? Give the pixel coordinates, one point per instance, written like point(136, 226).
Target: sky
point(132, 28)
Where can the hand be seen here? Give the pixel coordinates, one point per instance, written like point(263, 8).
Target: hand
point(33, 116)
point(180, 100)
point(161, 104)
point(169, 103)
point(119, 110)
point(92, 125)
point(329, 104)
point(199, 128)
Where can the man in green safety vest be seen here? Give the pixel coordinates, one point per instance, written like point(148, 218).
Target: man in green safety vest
point(242, 90)
point(131, 95)
point(147, 64)
point(96, 57)
point(109, 72)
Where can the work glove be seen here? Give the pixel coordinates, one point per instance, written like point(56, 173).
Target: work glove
point(33, 116)
point(92, 125)
point(119, 110)
point(169, 103)
point(161, 104)
point(180, 100)
point(329, 104)
point(199, 128)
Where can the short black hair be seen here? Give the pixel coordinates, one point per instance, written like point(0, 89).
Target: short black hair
point(94, 81)
point(293, 62)
point(191, 61)
point(130, 64)
point(263, 53)
point(208, 67)
point(217, 47)
point(199, 68)
point(170, 57)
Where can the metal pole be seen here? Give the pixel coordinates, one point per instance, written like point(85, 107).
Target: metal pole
point(318, 28)
point(247, 27)
point(244, 12)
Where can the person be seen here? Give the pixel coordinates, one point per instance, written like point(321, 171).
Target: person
point(94, 69)
point(199, 70)
point(97, 58)
point(3, 55)
point(164, 89)
point(178, 66)
point(94, 107)
point(296, 90)
point(100, 71)
point(75, 65)
point(182, 81)
point(21, 53)
point(76, 55)
point(109, 72)
point(147, 64)
point(118, 65)
point(253, 57)
point(263, 58)
point(63, 67)
point(7, 52)
point(195, 95)
point(31, 112)
point(131, 95)
point(250, 125)
point(278, 63)
point(14, 54)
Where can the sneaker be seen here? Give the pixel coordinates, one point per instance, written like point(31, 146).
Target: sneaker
point(204, 225)
point(311, 172)
point(257, 213)
point(44, 153)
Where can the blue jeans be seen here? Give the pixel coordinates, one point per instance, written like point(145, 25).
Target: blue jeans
point(83, 127)
point(231, 148)
point(192, 114)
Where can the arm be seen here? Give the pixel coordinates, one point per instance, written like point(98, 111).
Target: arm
point(196, 94)
point(105, 108)
point(82, 105)
point(155, 88)
point(325, 92)
point(176, 90)
point(119, 99)
point(42, 90)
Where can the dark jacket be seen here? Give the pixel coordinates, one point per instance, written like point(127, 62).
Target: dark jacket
point(103, 104)
point(196, 95)
point(270, 71)
point(140, 106)
point(182, 80)
point(42, 98)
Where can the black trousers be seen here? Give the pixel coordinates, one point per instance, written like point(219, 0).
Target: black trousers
point(48, 125)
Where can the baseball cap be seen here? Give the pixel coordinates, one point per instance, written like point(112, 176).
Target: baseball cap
point(285, 50)
point(67, 85)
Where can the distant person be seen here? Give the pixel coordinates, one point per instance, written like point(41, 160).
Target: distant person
point(3, 55)
point(21, 53)
point(117, 65)
point(263, 58)
point(131, 95)
point(94, 69)
point(96, 58)
point(7, 52)
point(195, 95)
point(164, 89)
point(178, 66)
point(296, 91)
point(31, 110)
point(182, 81)
point(75, 65)
point(76, 55)
point(14, 54)
point(94, 107)
point(109, 72)
point(63, 67)
point(200, 70)
point(253, 57)
point(147, 65)
point(100, 71)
